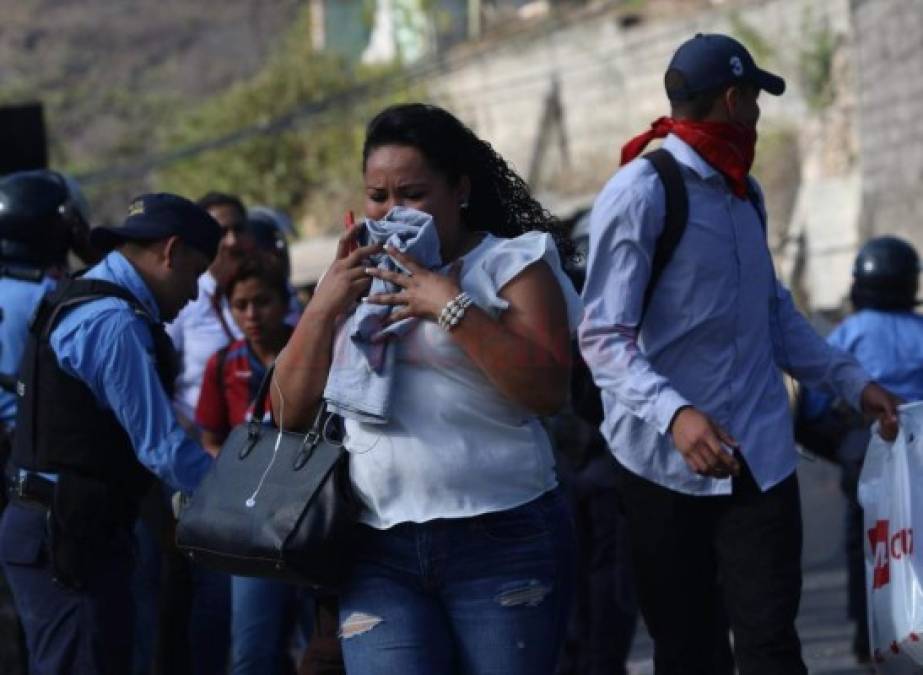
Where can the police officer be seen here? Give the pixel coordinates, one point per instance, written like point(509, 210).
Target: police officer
point(94, 422)
point(886, 337)
point(42, 215)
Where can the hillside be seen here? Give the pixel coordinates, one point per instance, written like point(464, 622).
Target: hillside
point(109, 71)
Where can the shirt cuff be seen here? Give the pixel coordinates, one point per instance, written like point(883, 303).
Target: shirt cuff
point(851, 384)
point(668, 402)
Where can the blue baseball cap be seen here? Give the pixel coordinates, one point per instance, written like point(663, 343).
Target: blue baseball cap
point(710, 61)
point(161, 215)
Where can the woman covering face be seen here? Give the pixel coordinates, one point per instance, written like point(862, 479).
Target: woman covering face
point(464, 555)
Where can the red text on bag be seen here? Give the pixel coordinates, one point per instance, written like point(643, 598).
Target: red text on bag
point(887, 547)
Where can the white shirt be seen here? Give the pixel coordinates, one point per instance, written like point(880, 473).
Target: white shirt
point(455, 446)
point(197, 333)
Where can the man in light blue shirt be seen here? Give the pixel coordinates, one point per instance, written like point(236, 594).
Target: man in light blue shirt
point(696, 411)
point(94, 422)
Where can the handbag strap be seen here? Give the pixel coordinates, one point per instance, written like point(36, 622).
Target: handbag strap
point(259, 406)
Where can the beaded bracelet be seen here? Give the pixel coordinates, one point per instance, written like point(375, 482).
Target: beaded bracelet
point(454, 310)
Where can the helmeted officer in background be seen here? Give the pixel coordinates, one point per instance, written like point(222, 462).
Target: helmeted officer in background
point(42, 216)
point(94, 422)
point(886, 337)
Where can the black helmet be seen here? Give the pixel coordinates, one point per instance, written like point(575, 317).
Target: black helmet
point(38, 213)
point(886, 275)
point(269, 227)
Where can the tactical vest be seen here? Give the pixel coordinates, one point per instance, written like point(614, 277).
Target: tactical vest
point(60, 427)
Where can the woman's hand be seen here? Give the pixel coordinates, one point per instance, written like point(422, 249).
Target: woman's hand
point(346, 280)
point(423, 293)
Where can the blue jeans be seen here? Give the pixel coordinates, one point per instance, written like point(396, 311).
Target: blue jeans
point(183, 611)
point(487, 594)
point(263, 614)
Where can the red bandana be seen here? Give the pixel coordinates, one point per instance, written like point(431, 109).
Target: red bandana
point(727, 147)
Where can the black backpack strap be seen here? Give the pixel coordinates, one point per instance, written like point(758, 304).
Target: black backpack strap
point(676, 215)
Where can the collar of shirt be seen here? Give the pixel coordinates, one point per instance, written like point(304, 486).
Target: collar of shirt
point(208, 284)
point(116, 268)
point(686, 156)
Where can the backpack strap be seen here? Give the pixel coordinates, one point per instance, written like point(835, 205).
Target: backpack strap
point(676, 215)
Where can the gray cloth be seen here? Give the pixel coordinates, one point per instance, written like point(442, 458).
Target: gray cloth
point(359, 383)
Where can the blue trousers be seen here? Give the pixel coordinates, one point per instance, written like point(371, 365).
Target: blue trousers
point(182, 611)
point(605, 615)
point(85, 632)
point(264, 614)
point(483, 595)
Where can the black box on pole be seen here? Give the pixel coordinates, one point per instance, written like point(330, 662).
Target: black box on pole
point(23, 145)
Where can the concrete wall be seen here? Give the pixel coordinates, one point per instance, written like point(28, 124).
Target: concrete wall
point(890, 87)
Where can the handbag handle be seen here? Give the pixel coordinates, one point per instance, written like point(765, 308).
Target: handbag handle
point(259, 409)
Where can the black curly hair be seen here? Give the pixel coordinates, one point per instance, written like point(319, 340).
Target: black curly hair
point(500, 201)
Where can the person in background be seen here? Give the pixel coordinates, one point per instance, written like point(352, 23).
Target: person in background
point(94, 423)
point(234, 373)
point(885, 335)
point(43, 215)
point(271, 229)
point(465, 550)
point(263, 611)
point(205, 325)
point(696, 411)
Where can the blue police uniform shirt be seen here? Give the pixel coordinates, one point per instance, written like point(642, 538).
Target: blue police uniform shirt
point(889, 345)
point(18, 300)
point(109, 347)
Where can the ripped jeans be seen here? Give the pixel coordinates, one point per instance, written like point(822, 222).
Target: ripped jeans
point(487, 595)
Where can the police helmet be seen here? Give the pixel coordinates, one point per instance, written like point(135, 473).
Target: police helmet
point(575, 265)
point(270, 228)
point(886, 275)
point(39, 210)
point(277, 218)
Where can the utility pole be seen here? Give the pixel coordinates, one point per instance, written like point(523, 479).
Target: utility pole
point(318, 34)
point(474, 19)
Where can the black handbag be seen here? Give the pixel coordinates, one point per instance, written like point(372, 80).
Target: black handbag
point(275, 504)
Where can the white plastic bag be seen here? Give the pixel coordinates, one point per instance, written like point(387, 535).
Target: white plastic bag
point(891, 494)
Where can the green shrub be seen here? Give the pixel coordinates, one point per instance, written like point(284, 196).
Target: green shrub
point(293, 132)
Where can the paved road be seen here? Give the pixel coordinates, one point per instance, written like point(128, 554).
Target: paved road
point(825, 632)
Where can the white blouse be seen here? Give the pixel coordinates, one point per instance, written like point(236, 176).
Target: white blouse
point(454, 445)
